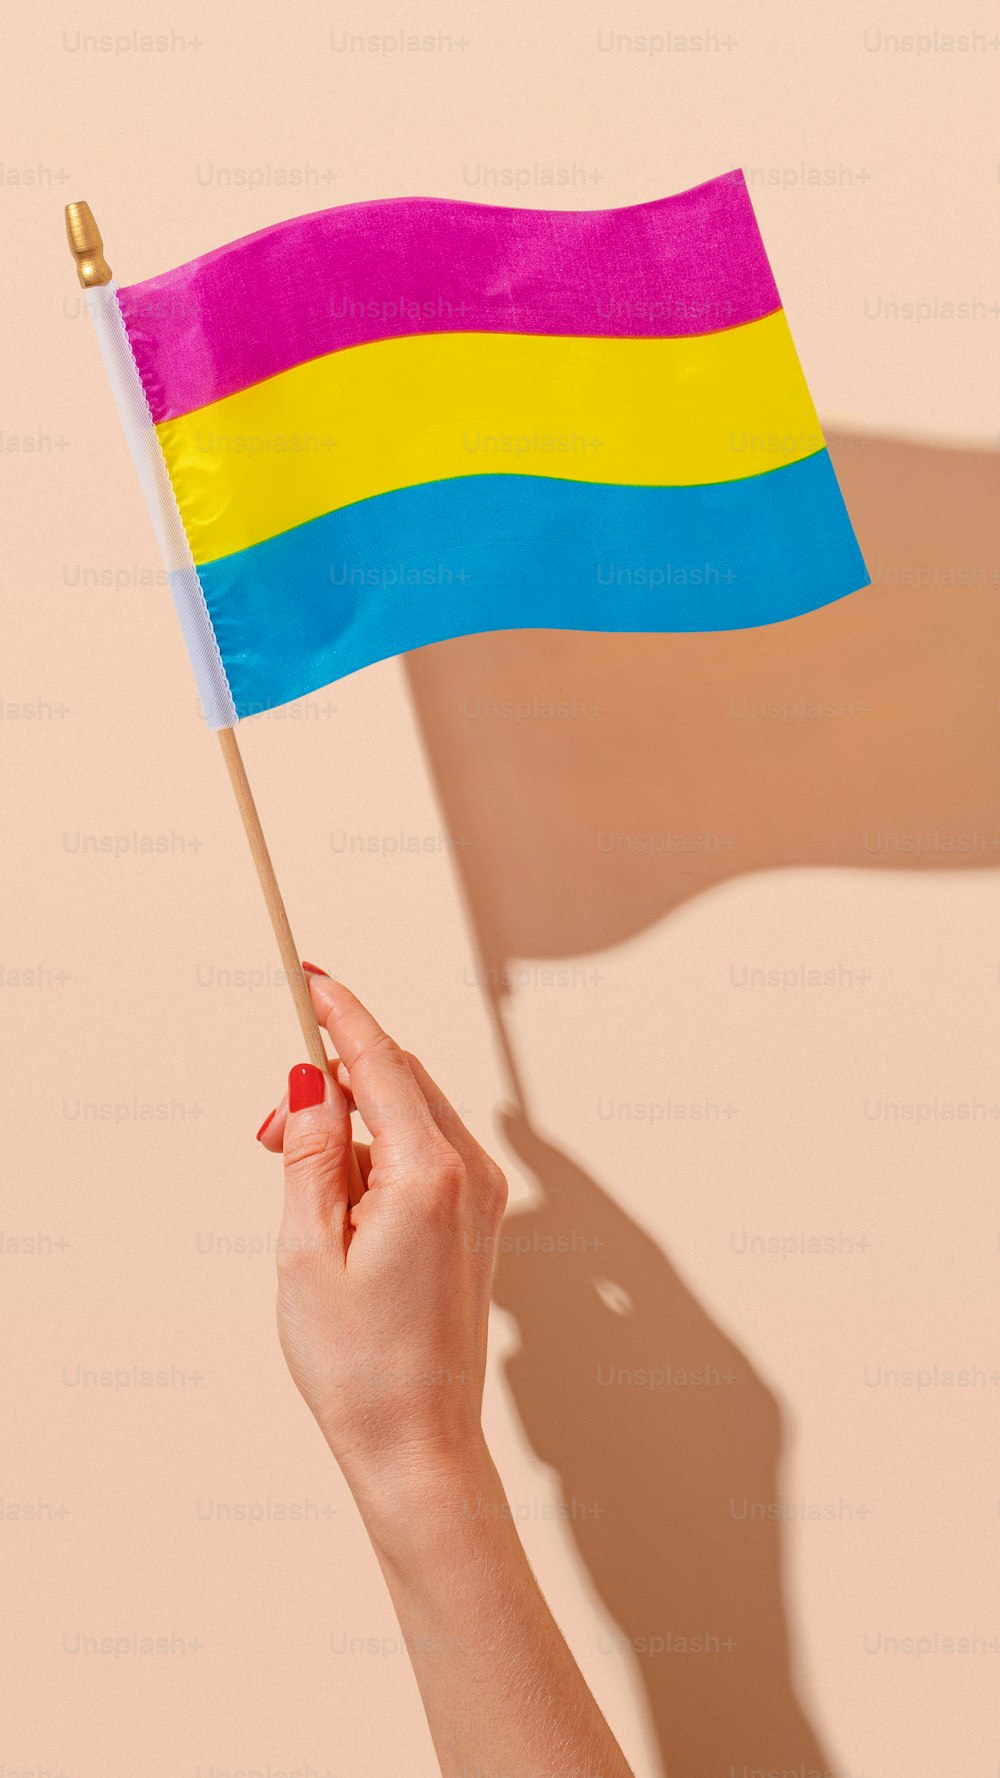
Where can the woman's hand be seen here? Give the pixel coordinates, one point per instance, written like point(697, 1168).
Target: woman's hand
point(384, 1258)
point(384, 1265)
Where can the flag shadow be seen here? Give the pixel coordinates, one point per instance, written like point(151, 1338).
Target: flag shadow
point(596, 783)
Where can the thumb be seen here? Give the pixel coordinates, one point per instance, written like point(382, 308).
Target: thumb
point(318, 1152)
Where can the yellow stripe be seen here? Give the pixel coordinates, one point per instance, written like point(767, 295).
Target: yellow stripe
point(670, 412)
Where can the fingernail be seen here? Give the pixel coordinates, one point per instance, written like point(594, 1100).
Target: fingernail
point(269, 1119)
point(306, 1086)
point(314, 969)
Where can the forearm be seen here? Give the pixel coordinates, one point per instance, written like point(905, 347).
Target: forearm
point(501, 1690)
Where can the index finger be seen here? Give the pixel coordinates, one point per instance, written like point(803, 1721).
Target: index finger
point(385, 1091)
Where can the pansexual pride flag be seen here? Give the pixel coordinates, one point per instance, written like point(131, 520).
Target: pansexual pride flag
point(394, 422)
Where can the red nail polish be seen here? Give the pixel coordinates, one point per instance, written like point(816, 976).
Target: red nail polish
point(269, 1119)
point(314, 969)
point(306, 1086)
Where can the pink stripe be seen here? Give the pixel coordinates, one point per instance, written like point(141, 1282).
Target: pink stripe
point(689, 264)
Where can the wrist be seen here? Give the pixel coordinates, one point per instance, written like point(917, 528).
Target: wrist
point(410, 1500)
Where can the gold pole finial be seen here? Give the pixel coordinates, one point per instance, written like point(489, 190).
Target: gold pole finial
point(86, 246)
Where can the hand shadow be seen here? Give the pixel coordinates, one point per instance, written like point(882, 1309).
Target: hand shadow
point(661, 1431)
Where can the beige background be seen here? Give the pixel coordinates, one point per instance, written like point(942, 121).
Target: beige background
point(138, 973)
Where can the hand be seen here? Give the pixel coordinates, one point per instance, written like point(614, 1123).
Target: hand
point(384, 1264)
point(385, 1256)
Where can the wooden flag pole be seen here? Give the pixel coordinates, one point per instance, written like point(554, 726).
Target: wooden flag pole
point(92, 269)
point(272, 895)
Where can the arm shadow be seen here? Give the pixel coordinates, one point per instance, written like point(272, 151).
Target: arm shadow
point(661, 1432)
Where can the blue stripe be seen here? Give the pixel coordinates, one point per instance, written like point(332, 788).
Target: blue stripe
point(510, 552)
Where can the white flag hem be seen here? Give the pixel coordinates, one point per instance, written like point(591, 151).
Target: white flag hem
point(144, 449)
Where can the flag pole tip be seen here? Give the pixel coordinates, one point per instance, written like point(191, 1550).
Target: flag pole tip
point(86, 246)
